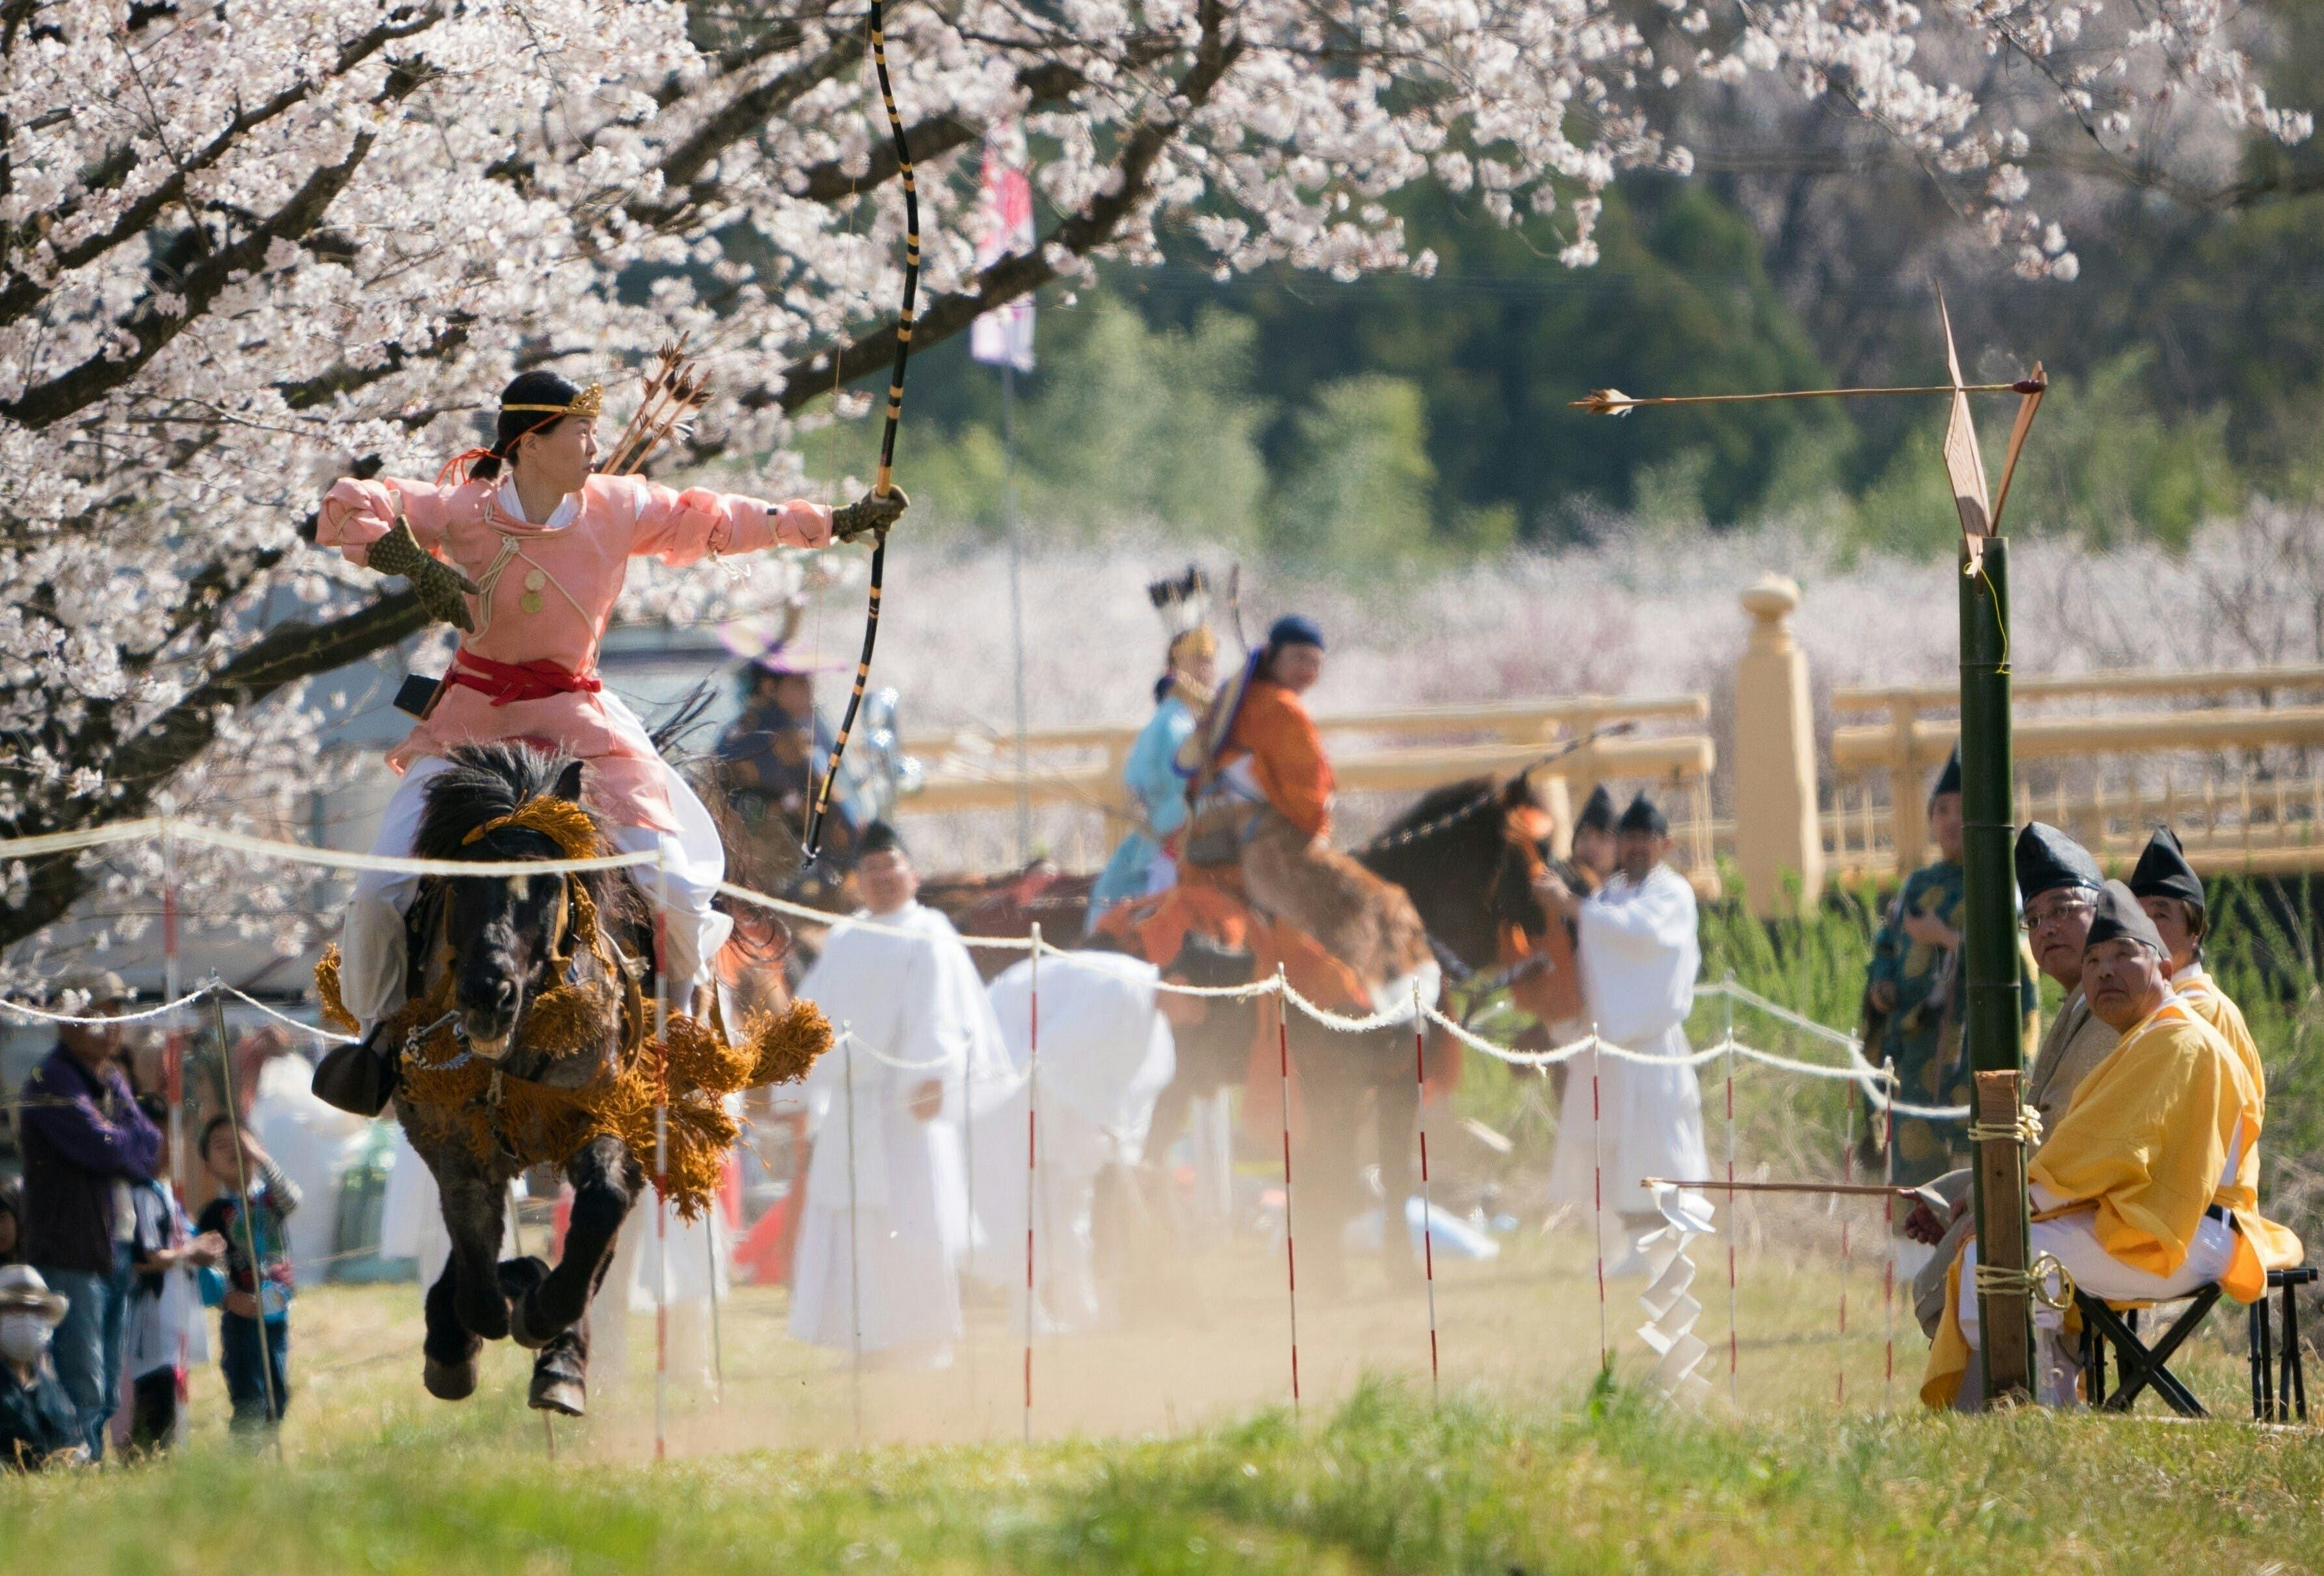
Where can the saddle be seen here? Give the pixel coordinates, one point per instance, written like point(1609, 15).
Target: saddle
point(1368, 924)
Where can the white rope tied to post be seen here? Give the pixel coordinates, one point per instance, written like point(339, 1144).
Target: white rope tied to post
point(1875, 1082)
point(2045, 1280)
point(868, 925)
point(169, 826)
point(2026, 1131)
point(188, 998)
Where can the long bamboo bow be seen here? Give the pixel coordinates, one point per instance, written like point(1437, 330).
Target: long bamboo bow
point(885, 482)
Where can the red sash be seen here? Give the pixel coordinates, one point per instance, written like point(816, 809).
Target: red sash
point(511, 681)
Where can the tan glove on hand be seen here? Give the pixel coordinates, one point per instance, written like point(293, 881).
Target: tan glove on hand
point(870, 513)
point(438, 585)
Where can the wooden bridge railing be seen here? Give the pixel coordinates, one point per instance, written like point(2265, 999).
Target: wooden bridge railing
point(1401, 753)
point(2238, 781)
point(2232, 760)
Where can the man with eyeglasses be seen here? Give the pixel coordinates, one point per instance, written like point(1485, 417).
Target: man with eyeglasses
point(2147, 1186)
point(2058, 883)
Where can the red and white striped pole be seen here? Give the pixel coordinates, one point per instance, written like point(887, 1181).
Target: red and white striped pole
point(1032, 1177)
point(1598, 1201)
point(1734, 1341)
point(661, 1161)
point(1290, 1254)
point(1427, 1212)
point(1840, 1340)
point(1888, 1221)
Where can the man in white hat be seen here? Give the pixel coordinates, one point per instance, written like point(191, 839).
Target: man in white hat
point(39, 1424)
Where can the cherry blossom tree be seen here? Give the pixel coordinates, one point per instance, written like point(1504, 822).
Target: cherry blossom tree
point(245, 247)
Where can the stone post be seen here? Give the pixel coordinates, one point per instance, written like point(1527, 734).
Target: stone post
point(1777, 837)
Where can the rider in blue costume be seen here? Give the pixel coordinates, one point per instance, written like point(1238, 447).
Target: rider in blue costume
point(1146, 861)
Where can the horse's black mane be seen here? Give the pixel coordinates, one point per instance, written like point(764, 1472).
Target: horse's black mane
point(486, 781)
point(1474, 793)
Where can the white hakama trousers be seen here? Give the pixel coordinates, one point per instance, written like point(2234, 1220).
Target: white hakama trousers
point(698, 1267)
point(1073, 1151)
point(1652, 1113)
point(373, 954)
point(900, 1272)
point(2073, 1241)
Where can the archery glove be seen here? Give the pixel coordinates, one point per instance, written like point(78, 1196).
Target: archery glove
point(438, 585)
point(873, 512)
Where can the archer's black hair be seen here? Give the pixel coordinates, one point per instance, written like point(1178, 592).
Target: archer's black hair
point(532, 388)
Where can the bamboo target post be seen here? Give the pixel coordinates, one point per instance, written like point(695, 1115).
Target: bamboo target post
point(1989, 911)
point(2007, 1344)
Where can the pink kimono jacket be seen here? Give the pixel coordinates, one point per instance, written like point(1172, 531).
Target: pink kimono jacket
point(548, 590)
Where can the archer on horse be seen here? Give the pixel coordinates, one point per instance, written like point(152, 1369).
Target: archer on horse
point(1146, 861)
point(1263, 789)
point(525, 546)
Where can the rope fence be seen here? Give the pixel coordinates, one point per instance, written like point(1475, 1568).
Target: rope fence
point(1877, 1083)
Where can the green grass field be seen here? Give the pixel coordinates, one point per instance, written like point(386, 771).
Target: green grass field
point(1171, 1446)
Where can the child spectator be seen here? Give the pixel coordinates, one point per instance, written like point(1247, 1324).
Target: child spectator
point(164, 1327)
point(40, 1425)
point(253, 1292)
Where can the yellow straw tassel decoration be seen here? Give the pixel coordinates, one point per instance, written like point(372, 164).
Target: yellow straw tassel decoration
point(334, 1006)
point(479, 1102)
point(786, 1044)
point(447, 1094)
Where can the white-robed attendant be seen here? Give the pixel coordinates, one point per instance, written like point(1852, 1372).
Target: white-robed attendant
point(920, 1031)
point(1638, 957)
point(1106, 1056)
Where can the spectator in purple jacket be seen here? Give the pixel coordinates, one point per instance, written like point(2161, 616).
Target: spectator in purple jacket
point(86, 1144)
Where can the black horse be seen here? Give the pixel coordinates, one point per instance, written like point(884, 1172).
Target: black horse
point(488, 949)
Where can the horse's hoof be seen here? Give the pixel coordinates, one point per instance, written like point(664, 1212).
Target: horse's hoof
point(567, 1397)
point(449, 1381)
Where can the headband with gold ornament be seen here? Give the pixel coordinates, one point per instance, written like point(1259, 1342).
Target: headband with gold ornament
point(589, 401)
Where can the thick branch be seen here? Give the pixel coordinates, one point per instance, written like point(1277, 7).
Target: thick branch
point(152, 329)
point(746, 111)
point(142, 765)
point(24, 293)
point(1044, 85)
point(1096, 223)
point(306, 393)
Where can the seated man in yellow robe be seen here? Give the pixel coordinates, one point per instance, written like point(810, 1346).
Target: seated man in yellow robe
point(2148, 1187)
point(2167, 886)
